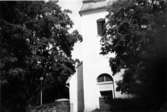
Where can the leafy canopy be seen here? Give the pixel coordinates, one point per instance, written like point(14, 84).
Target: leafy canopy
point(34, 42)
point(136, 33)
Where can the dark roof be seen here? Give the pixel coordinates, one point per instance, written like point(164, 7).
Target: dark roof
point(92, 0)
point(91, 5)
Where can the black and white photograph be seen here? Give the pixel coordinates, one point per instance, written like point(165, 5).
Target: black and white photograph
point(83, 56)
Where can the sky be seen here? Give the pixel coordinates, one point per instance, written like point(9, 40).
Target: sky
point(74, 6)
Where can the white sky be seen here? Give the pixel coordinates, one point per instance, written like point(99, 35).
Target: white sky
point(74, 6)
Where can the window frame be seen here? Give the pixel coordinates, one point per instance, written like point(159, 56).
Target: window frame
point(101, 26)
point(104, 78)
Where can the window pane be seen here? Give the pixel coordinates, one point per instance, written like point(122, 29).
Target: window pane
point(101, 79)
point(108, 78)
point(101, 27)
point(104, 77)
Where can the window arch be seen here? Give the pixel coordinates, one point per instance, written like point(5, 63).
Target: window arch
point(104, 77)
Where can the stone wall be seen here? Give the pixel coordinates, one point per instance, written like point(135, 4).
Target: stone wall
point(61, 105)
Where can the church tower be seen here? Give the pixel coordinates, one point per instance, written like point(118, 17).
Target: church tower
point(93, 80)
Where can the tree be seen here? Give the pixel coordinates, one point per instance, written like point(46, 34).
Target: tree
point(136, 33)
point(34, 42)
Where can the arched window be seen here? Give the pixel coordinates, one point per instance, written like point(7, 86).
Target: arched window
point(104, 77)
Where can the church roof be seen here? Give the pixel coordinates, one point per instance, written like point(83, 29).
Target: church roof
point(92, 0)
point(94, 5)
point(90, 5)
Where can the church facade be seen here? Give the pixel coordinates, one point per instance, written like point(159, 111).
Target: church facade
point(93, 79)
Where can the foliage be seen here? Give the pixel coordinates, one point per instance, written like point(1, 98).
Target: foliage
point(34, 42)
point(136, 33)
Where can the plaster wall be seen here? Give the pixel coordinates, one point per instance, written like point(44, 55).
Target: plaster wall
point(94, 64)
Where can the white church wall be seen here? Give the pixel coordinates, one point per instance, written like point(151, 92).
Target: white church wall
point(73, 93)
point(94, 64)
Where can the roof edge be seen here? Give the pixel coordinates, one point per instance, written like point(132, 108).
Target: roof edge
point(82, 12)
point(87, 1)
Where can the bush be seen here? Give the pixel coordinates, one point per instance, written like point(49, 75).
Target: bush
point(130, 105)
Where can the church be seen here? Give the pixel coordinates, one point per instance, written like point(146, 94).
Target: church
point(93, 80)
